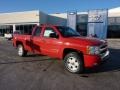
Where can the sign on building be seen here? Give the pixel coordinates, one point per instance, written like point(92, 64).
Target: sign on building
point(71, 19)
point(97, 23)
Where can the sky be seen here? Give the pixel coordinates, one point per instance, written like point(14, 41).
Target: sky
point(56, 6)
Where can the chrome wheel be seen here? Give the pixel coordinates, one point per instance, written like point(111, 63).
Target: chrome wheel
point(72, 64)
point(20, 50)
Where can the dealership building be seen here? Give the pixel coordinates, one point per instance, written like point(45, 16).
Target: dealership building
point(25, 21)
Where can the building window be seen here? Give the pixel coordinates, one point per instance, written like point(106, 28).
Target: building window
point(82, 29)
point(25, 29)
point(113, 31)
point(6, 29)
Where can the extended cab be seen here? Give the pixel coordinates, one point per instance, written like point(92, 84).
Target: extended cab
point(65, 44)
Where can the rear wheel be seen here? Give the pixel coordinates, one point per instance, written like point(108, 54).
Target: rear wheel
point(21, 51)
point(73, 63)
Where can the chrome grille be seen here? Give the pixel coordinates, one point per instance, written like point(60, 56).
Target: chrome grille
point(103, 49)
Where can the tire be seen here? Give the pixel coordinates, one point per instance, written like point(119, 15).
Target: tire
point(73, 62)
point(21, 51)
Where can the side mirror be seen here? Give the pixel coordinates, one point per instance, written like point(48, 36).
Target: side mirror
point(54, 35)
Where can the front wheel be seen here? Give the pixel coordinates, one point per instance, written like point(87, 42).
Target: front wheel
point(21, 51)
point(73, 63)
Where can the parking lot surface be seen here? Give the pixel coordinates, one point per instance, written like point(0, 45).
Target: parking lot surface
point(37, 72)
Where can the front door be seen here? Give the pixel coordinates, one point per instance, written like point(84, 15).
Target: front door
point(50, 45)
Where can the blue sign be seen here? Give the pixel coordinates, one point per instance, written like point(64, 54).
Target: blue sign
point(97, 23)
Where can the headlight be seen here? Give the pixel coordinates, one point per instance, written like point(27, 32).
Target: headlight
point(93, 50)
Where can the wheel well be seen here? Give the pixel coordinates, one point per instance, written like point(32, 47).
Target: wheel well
point(18, 43)
point(68, 50)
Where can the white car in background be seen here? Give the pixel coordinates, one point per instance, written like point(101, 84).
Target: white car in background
point(8, 36)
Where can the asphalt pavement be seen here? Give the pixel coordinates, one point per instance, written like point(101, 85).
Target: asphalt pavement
point(37, 72)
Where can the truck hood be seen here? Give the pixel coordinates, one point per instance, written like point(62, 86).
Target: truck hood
point(86, 41)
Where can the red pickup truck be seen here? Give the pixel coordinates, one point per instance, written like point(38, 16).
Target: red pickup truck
point(63, 43)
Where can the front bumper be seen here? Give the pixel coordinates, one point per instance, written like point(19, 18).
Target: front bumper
point(94, 60)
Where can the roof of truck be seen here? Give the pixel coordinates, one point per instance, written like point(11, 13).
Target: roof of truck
point(49, 25)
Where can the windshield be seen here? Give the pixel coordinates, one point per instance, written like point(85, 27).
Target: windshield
point(67, 31)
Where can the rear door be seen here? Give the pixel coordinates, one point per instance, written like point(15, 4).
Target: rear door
point(36, 40)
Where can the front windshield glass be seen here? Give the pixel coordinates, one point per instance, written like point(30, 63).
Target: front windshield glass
point(67, 31)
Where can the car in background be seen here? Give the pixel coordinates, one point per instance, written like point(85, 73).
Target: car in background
point(8, 36)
